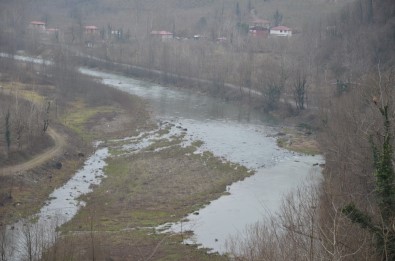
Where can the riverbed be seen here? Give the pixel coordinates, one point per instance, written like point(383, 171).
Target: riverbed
point(235, 133)
point(230, 131)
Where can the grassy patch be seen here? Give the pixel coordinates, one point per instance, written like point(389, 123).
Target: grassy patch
point(152, 188)
point(298, 141)
point(197, 143)
point(163, 143)
point(77, 117)
point(137, 244)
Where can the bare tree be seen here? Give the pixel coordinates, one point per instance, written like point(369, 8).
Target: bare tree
point(300, 90)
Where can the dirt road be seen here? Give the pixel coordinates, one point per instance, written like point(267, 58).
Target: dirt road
point(48, 154)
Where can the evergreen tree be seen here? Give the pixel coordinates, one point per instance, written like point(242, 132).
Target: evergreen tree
point(384, 229)
point(277, 18)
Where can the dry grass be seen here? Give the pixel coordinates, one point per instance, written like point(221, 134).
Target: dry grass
point(297, 140)
point(151, 188)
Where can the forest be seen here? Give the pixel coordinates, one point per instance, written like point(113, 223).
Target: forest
point(334, 78)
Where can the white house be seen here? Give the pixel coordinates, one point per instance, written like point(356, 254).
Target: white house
point(280, 31)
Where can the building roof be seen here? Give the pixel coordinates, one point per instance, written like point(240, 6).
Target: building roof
point(281, 28)
point(52, 29)
point(258, 28)
point(37, 23)
point(161, 33)
point(260, 21)
point(90, 27)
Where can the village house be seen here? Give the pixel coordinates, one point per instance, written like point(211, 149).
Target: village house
point(199, 37)
point(221, 39)
point(52, 30)
point(280, 31)
point(91, 29)
point(260, 23)
point(116, 33)
point(89, 44)
point(37, 25)
point(259, 28)
point(162, 35)
point(257, 31)
point(52, 33)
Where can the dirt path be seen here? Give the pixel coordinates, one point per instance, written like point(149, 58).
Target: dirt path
point(48, 154)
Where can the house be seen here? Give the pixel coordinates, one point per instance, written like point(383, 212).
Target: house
point(261, 23)
point(221, 39)
point(52, 30)
point(162, 35)
point(91, 29)
point(37, 25)
point(280, 31)
point(258, 31)
point(116, 33)
point(89, 44)
point(199, 37)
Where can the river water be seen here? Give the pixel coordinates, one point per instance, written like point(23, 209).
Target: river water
point(28, 238)
point(233, 132)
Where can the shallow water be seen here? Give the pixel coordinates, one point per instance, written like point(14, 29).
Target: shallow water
point(234, 133)
point(27, 238)
point(230, 131)
point(248, 201)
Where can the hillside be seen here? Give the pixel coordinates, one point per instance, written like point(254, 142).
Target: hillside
point(138, 16)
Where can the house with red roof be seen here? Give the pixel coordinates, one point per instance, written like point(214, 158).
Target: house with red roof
point(91, 29)
point(162, 35)
point(260, 23)
point(280, 31)
point(259, 28)
point(37, 25)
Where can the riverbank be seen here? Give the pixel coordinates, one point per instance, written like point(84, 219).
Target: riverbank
point(82, 123)
point(161, 184)
point(164, 181)
point(75, 123)
point(299, 129)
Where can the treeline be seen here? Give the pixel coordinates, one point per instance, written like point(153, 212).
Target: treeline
point(37, 96)
point(24, 117)
point(350, 216)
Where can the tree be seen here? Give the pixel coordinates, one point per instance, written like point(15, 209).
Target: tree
point(300, 91)
point(384, 229)
point(46, 117)
point(8, 130)
point(271, 95)
point(277, 18)
point(238, 12)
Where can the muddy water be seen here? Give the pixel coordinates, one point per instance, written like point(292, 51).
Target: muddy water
point(234, 133)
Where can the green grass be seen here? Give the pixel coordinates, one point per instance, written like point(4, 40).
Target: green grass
point(77, 118)
point(151, 188)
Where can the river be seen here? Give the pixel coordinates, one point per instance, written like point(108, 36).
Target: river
point(233, 132)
